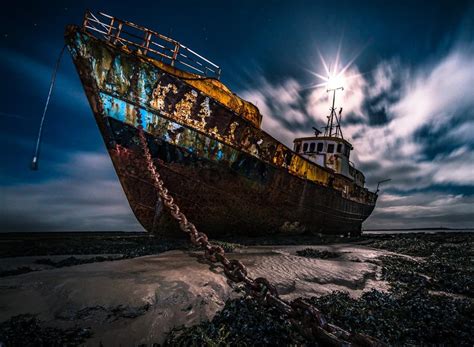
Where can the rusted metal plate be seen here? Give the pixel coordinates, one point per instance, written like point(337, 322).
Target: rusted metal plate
point(226, 173)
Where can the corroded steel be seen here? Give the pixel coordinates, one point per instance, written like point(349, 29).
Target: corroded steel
point(124, 33)
point(149, 116)
point(216, 90)
point(301, 314)
point(112, 30)
point(189, 62)
point(228, 175)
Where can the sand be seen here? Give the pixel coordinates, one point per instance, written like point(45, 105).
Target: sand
point(137, 301)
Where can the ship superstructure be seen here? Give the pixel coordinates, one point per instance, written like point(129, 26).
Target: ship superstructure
point(329, 148)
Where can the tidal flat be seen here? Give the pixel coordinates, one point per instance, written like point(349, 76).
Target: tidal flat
point(91, 289)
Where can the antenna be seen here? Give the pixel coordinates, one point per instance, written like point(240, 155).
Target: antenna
point(333, 119)
point(382, 182)
point(316, 131)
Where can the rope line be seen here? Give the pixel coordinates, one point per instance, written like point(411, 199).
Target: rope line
point(34, 161)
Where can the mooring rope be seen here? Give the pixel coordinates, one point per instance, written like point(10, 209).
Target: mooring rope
point(34, 161)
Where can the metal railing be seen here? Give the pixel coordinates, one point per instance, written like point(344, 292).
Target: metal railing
point(148, 42)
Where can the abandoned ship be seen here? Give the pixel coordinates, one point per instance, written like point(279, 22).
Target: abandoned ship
point(227, 175)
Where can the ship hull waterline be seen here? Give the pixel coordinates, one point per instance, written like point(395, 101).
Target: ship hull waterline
point(221, 189)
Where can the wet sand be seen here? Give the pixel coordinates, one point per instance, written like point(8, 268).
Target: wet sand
point(138, 301)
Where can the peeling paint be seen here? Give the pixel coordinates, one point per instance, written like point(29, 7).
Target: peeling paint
point(199, 136)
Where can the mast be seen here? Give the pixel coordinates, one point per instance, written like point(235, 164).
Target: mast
point(333, 120)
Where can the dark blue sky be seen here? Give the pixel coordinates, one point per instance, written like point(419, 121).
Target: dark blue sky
point(409, 108)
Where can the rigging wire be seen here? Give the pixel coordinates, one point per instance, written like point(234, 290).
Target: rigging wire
point(34, 161)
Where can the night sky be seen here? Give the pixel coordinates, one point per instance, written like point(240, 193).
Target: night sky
point(408, 103)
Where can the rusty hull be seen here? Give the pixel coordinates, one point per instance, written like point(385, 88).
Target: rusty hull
point(227, 175)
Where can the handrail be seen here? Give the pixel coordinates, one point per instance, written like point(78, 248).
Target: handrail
point(148, 42)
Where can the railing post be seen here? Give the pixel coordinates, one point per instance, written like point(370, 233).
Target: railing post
point(119, 31)
point(86, 19)
point(111, 26)
point(175, 53)
point(112, 32)
point(147, 41)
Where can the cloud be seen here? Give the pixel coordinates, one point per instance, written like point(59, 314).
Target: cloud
point(72, 191)
point(435, 100)
point(422, 210)
point(412, 124)
point(433, 97)
point(86, 197)
point(290, 108)
point(37, 75)
point(282, 106)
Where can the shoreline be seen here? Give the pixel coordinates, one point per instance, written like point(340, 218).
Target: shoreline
point(396, 271)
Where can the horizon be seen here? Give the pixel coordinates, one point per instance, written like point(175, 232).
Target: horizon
point(408, 104)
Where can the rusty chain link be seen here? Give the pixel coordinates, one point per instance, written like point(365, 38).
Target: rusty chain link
point(305, 317)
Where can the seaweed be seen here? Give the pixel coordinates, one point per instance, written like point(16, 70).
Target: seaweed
point(315, 253)
point(445, 261)
point(72, 261)
point(127, 244)
point(411, 313)
point(227, 246)
point(243, 321)
point(430, 301)
point(18, 271)
point(27, 330)
point(403, 317)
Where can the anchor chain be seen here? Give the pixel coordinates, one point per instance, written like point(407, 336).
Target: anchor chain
point(306, 318)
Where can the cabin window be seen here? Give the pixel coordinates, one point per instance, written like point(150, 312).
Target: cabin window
point(297, 147)
point(331, 148)
point(320, 147)
point(311, 147)
point(305, 147)
point(339, 148)
point(346, 151)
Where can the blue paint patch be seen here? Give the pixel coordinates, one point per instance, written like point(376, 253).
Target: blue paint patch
point(117, 108)
point(147, 117)
point(203, 145)
point(145, 81)
point(114, 107)
point(220, 154)
point(118, 73)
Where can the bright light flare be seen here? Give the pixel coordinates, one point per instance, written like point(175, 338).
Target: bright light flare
point(333, 81)
point(336, 81)
point(335, 77)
